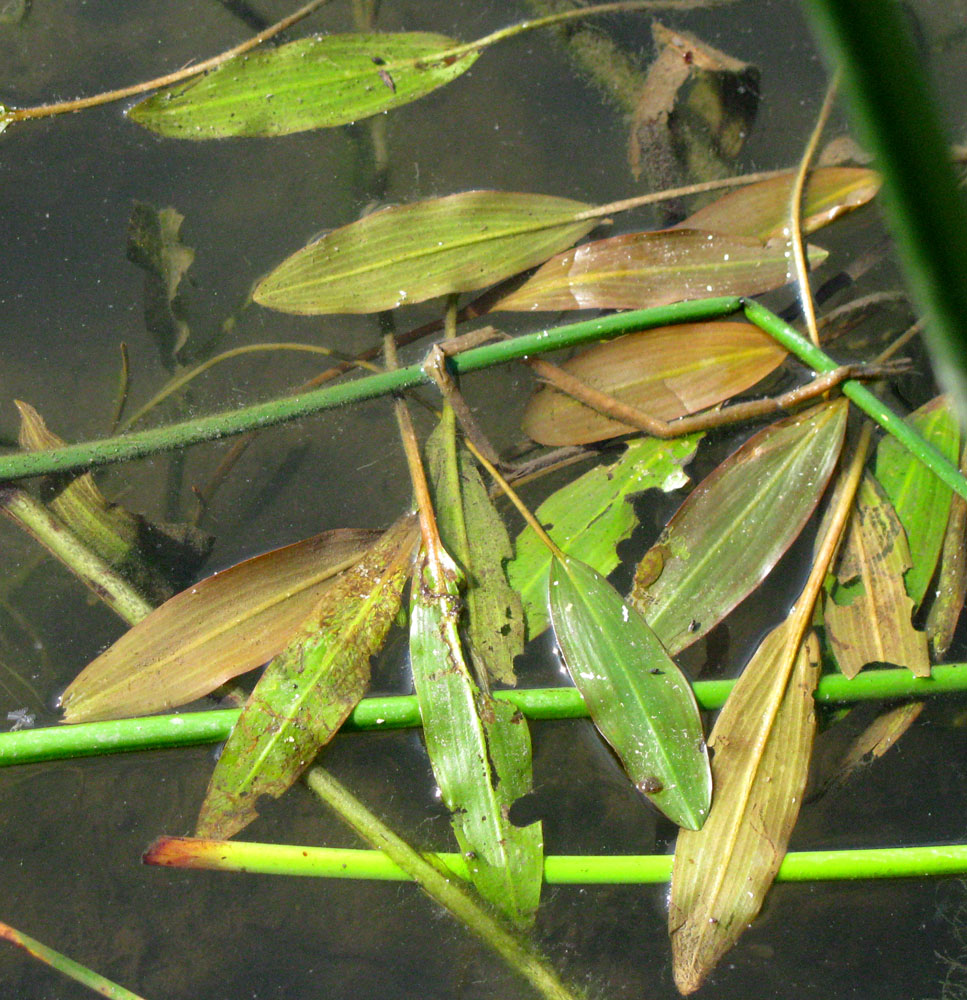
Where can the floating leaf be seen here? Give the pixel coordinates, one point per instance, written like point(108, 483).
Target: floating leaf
point(667, 372)
point(479, 748)
point(589, 516)
point(639, 700)
point(737, 522)
point(475, 534)
point(228, 624)
point(761, 210)
point(761, 745)
point(309, 689)
point(311, 83)
point(920, 499)
point(640, 270)
point(867, 612)
point(155, 246)
point(409, 253)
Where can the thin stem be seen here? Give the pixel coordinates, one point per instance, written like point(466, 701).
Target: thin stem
point(437, 881)
point(79, 104)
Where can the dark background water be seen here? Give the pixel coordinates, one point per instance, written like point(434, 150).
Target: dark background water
point(73, 832)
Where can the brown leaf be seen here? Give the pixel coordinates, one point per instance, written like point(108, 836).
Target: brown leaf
point(951, 578)
point(868, 612)
point(667, 372)
point(221, 627)
point(762, 742)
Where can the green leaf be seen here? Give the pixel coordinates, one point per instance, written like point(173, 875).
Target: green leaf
point(736, 524)
point(589, 516)
point(921, 500)
point(639, 700)
point(311, 83)
point(307, 691)
point(410, 253)
point(479, 750)
point(475, 534)
point(640, 270)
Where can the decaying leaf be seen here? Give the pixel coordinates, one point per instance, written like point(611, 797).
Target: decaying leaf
point(641, 270)
point(410, 253)
point(948, 604)
point(309, 689)
point(155, 246)
point(227, 624)
point(667, 372)
point(761, 210)
point(479, 749)
point(761, 744)
point(737, 522)
point(867, 612)
point(697, 108)
point(315, 82)
point(637, 698)
point(589, 516)
point(919, 498)
point(475, 534)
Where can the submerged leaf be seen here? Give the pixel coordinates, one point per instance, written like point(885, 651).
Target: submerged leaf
point(639, 700)
point(737, 523)
point(228, 624)
point(641, 270)
point(868, 613)
point(314, 82)
point(668, 372)
point(309, 689)
point(762, 209)
point(920, 499)
point(479, 748)
point(590, 515)
point(761, 745)
point(409, 253)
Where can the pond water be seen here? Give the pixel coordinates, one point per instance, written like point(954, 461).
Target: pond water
point(73, 832)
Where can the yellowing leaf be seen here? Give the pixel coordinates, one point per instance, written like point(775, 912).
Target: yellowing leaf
point(640, 270)
point(761, 744)
point(409, 253)
point(311, 83)
point(867, 612)
point(228, 624)
point(667, 372)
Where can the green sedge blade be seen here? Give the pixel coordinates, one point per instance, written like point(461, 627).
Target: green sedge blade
point(640, 701)
point(311, 83)
point(409, 253)
point(307, 691)
point(480, 751)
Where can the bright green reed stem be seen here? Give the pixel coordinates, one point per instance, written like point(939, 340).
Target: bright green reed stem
point(629, 869)
point(400, 712)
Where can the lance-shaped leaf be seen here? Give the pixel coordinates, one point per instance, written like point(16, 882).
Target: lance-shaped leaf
point(640, 270)
point(311, 83)
point(920, 499)
point(641, 703)
point(867, 611)
point(310, 688)
point(475, 534)
point(762, 209)
point(736, 524)
point(228, 624)
point(761, 744)
point(409, 253)
point(667, 372)
point(479, 749)
point(589, 516)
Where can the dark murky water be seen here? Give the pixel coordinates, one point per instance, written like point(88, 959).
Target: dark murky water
point(73, 832)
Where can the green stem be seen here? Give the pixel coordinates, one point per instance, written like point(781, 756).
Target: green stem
point(821, 362)
point(150, 442)
point(436, 880)
point(560, 869)
point(87, 739)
